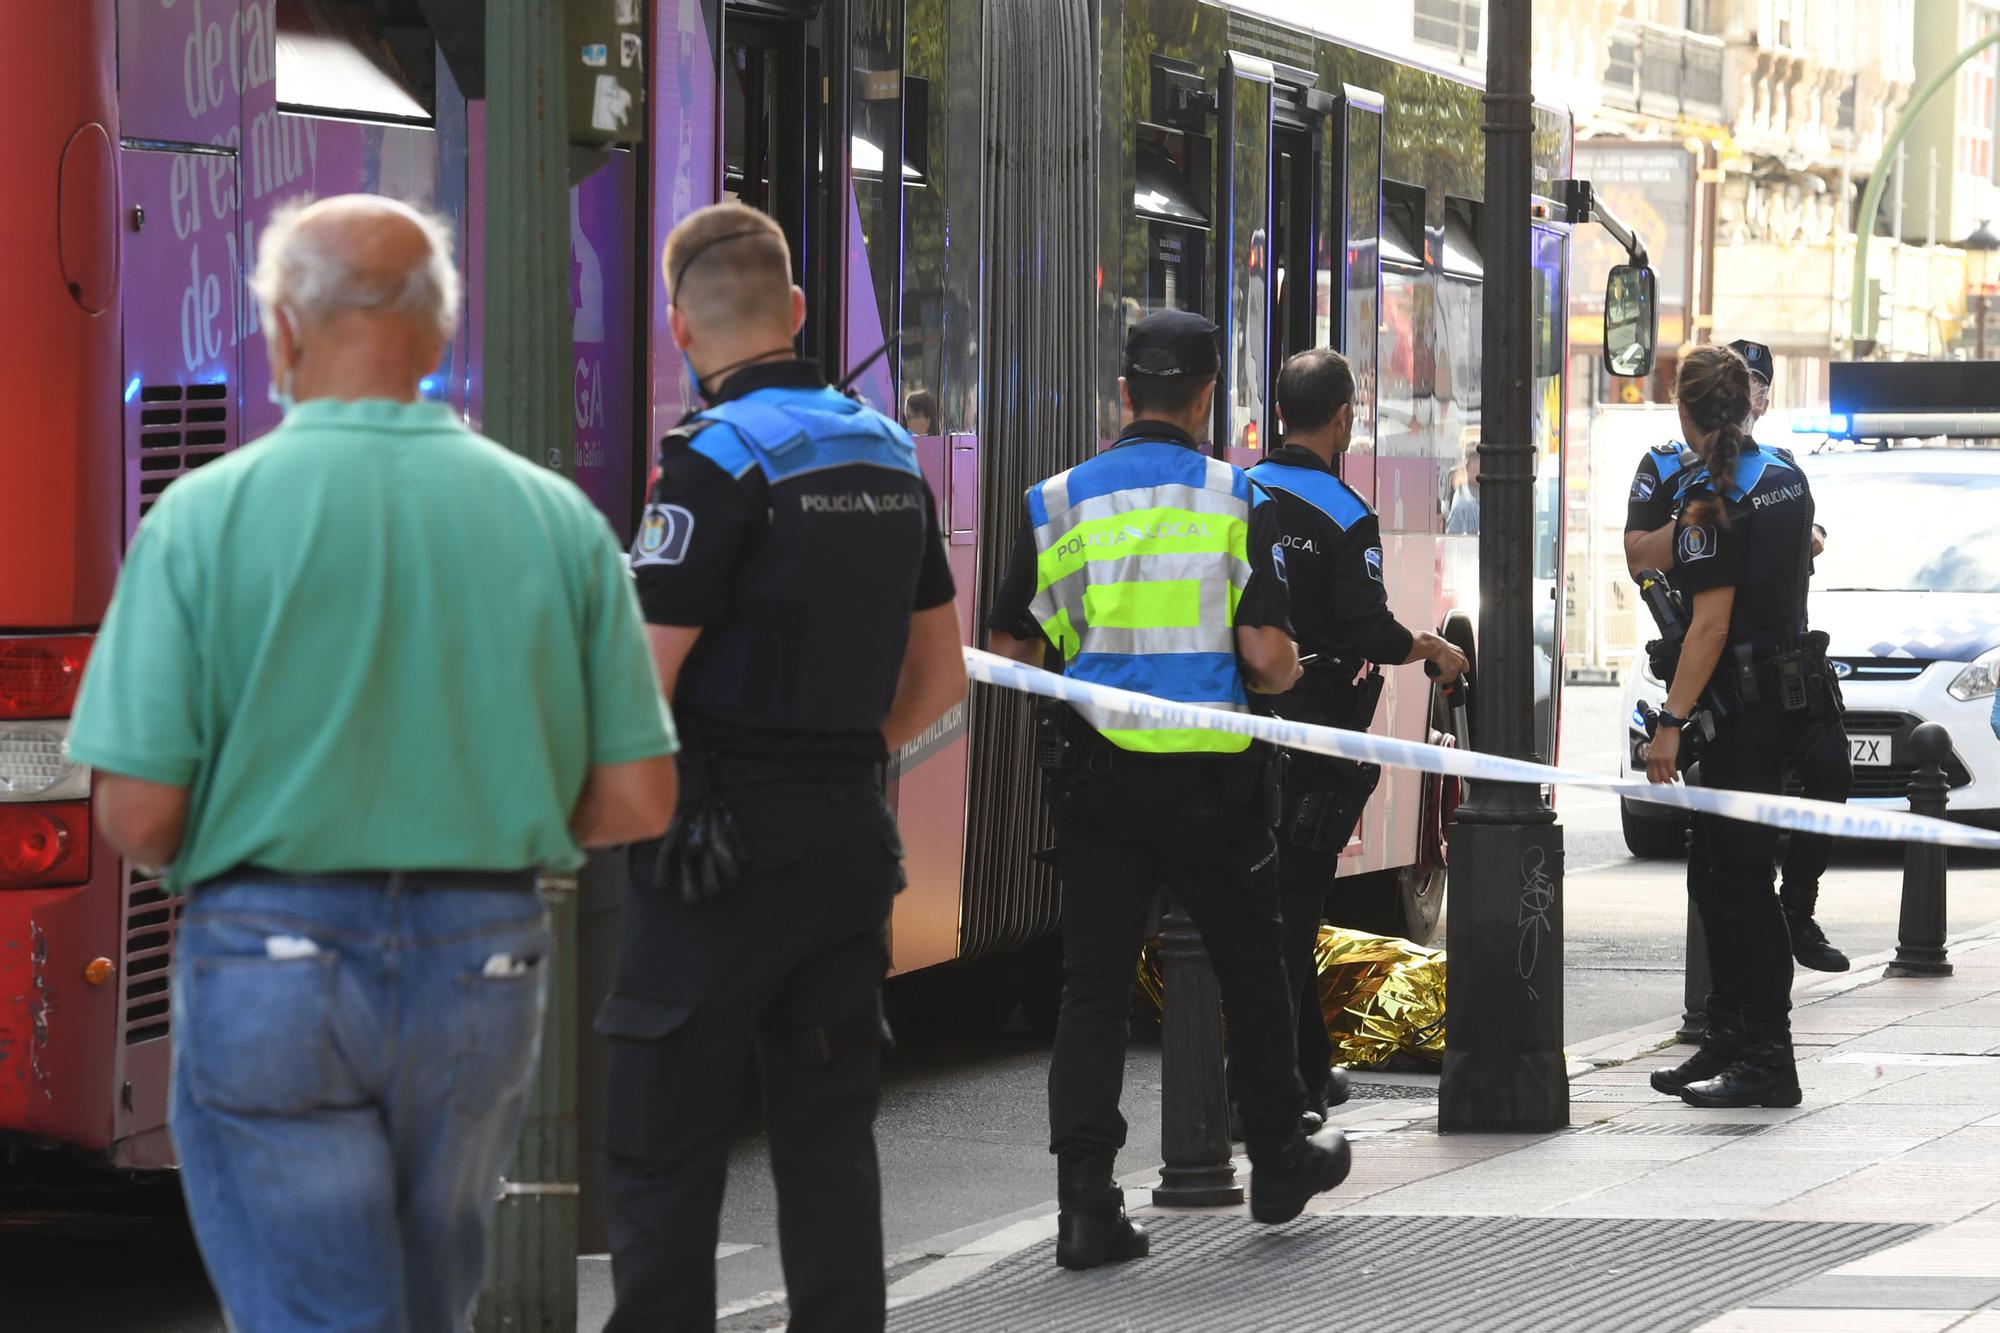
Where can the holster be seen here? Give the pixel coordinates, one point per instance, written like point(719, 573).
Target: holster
point(1325, 798)
point(1059, 736)
point(1801, 681)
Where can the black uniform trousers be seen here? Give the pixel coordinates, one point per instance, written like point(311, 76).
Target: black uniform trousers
point(1121, 835)
point(788, 964)
point(1826, 774)
point(1305, 876)
point(1731, 869)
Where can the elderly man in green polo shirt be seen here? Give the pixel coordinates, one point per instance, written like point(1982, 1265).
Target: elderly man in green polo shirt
point(360, 681)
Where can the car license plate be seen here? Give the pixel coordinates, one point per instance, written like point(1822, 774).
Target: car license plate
point(1868, 751)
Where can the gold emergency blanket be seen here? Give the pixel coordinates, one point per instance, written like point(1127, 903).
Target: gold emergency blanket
point(1381, 997)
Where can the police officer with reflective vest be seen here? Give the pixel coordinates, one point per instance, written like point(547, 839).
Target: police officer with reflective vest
point(1340, 612)
point(1742, 555)
point(799, 608)
point(1825, 773)
point(1152, 567)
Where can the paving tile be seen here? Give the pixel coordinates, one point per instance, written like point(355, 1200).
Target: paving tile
point(1968, 1248)
point(1776, 1320)
point(1891, 1118)
point(1886, 1293)
point(1980, 1321)
point(1951, 1039)
point(1895, 1191)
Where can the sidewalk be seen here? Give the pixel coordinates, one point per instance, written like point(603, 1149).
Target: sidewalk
point(1873, 1206)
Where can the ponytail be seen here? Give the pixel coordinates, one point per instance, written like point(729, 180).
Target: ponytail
point(1723, 452)
point(1714, 387)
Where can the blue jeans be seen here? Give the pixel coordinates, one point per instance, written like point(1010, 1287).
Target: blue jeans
point(350, 1063)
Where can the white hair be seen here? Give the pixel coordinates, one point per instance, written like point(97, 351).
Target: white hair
point(313, 281)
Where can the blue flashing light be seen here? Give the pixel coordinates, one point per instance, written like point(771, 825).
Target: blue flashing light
point(429, 386)
point(132, 389)
point(1824, 423)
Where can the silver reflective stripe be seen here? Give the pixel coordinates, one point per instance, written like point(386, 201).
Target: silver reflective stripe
point(1055, 494)
point(1222, 477)
point(1194, 499)
point(1118, 639)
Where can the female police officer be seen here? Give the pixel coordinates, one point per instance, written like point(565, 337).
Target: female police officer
point(1742, 550)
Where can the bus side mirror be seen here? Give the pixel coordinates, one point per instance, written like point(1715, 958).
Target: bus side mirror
point(1630, 329)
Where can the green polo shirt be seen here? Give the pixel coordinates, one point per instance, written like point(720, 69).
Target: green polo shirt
point(372, 640)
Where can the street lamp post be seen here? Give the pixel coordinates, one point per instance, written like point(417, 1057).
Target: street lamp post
point(1503, 1063)
point(1980, 249)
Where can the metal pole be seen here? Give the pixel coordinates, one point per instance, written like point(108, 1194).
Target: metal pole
point(1871, 198)
point(1503, 1063)
point(1930, 227)
point(1896, 205)
point(531, 1257)
point(1920, 948)
point(1197, 1170)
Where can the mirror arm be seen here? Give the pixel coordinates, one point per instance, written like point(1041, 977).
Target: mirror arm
point(1586, 205)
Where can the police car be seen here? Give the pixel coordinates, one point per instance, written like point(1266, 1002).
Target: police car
point(1908, 590)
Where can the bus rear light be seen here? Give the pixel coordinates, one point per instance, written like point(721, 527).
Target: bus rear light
point(39, 676)
point(43, 845)
point(35, 764)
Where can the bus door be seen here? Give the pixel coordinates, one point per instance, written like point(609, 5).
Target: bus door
point(777, 153)
point(1550, 248)
point(1244, 137)
point(1355, 242)
point(1274, 252)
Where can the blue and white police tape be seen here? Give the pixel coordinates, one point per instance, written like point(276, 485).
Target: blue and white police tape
point(1101, 704)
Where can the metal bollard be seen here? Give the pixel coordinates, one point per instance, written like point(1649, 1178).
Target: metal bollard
point(1920, 948)
point(1695, 982)
point(1198, 1171)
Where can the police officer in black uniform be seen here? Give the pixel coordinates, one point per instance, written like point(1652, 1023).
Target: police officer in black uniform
point(1825, 773)
point(1152, 567)
point(1743, 551)
point(1340, 615)
point(799, 607)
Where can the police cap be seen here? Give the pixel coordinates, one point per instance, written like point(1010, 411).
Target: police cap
point(1171, 344)
point(1757, 356)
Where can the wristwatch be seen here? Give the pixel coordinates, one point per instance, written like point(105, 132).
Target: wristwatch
point(1664, 718)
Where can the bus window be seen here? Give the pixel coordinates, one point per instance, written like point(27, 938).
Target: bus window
point(337, 57)
point(1292, 329)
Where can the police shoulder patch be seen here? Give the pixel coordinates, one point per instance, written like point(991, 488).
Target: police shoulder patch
point(1697, 542)
point(664, 534)
point(1643, 486)
point(1372, 558)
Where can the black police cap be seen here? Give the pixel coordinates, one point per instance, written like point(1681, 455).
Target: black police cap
point(1172, 343)
point(1756, 355)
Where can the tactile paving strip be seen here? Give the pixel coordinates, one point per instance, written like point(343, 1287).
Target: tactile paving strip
point(1406, 1273)
point(1673, 1129)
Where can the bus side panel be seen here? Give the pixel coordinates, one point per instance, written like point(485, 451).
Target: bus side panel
point(61, 346)
point(686, 174)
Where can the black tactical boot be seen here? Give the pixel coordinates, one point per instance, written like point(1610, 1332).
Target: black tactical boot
point(1092, 1229)
point(1307, 1166)
point(1719, 1045)
point(1810, 947)
point(1762, 1074)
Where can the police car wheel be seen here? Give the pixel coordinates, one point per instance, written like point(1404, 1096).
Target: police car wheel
point(1651, 837)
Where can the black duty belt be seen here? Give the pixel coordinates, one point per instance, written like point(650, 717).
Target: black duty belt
point(512, 881)
point(702, 774)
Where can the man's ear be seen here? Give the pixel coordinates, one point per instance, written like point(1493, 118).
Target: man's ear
point(798, 311)
point(1125, 398)
point(678, 325)
point(1204, 401)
